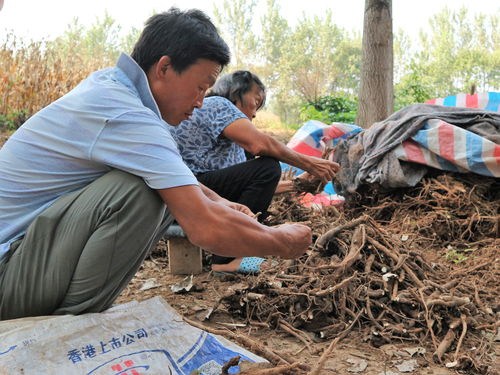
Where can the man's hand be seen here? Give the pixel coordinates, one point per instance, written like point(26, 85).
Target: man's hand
point(323, 169)
point(238, 207)
point(227, 232)
point(297, 239)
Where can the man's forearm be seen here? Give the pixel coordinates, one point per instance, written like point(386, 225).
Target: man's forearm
point(238, 236)
point(209, 193)
point(228, 232)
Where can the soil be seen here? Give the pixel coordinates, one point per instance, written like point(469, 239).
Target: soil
point(209, 288)
point(442, 236)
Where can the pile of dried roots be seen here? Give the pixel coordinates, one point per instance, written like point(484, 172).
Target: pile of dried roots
point(416, 265)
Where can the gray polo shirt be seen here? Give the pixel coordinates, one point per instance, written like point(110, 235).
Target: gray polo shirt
point(110, 120)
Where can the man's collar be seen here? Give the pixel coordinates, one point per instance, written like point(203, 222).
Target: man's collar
point(136, 76)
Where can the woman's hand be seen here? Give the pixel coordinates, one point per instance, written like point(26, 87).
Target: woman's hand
point(284, 186)
point(323, 169)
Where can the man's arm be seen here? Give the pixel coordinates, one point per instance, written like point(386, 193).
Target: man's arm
point(212, 195)
point(224, 231)
point(209, 193)
point(246, 135)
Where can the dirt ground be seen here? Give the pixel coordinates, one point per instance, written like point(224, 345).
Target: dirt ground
point(350, 356)
point(209, 288)
point(444, 233)
point(444, 221)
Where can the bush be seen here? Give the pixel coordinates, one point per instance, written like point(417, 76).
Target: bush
point(12, 121)
point(330, 109)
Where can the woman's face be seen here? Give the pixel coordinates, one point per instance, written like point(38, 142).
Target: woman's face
point(252, 100)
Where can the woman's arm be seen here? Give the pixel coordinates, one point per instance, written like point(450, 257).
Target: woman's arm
point(246, 135)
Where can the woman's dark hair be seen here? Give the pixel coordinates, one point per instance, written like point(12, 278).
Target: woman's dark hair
point(184, 36)
point(234, 85)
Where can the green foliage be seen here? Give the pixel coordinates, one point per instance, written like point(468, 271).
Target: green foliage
point(309, 112)
point(12, 121)
point(458, 256)
point(306, 62)
point(457, 52)
point(411, 89)
point(234, 21)
point(330, 109)
point(301, 64)
point(275, 31)
point(315, 58)
point(101, 40)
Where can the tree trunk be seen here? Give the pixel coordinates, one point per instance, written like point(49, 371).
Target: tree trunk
point(376, 95)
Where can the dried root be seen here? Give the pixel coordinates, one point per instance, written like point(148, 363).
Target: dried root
point(414, 265)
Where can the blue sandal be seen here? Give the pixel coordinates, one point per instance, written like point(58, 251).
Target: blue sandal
point(250, 265)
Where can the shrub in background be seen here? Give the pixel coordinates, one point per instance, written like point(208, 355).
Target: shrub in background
point(330, 109)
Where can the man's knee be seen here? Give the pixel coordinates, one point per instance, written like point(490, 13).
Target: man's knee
point(120, 178)
point(135, 191)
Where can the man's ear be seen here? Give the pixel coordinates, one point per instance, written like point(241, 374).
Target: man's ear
point(162, 65)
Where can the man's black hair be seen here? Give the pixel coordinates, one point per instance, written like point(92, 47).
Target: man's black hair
point(234, 85)
point(184, 36)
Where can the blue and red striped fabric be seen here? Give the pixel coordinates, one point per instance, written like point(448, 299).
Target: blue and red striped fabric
point(448, 147)
point(312, 139)
point(451, 148)
point(437, 144)
point(489, 101)
point(314, 136)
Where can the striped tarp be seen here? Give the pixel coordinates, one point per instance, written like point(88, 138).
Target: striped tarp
point(314, 136)
point(312, 139)
point(448, 147)
point(489, 101)
point(451, 148)
point(437, 144)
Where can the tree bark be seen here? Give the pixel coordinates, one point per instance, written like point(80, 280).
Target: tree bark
point(376, 96)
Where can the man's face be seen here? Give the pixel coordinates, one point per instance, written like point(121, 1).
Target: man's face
point(177, 95)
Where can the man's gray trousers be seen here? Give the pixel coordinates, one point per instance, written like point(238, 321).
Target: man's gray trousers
point(82, 251)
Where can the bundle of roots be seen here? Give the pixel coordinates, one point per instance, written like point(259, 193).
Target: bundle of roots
point(414, 265)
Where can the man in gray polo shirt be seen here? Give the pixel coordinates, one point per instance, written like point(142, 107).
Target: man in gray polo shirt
point(89, 183)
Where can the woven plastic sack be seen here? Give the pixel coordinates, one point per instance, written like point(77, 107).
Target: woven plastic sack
point(147, 338)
